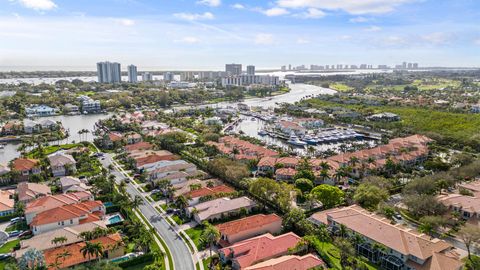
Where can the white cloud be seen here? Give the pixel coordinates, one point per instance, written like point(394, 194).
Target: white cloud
point(210, 3)
point(264, 39)
point(394, 40)
point(38, 4)
point(477, 42)
point(346, 37)
point(349, 6)
point(194, 16)
point(437, 38)
point(189, 40)
point(359, 19)
point(276, 11)
point(302, 41)
point(312, 13)
point(125, 22)
point(238, 6)
point(373, 28)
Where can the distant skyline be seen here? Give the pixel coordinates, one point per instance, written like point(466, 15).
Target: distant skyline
point(207, 34)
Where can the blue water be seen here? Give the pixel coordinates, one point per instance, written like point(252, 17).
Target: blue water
point(108, 204)
point(115, 219)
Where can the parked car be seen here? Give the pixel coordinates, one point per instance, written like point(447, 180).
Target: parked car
point(5, 256)
point(14, 233)
point(156, 191)
point(16, 220)
point(25, 233)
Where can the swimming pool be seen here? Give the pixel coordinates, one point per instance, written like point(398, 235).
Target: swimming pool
point(114, 219)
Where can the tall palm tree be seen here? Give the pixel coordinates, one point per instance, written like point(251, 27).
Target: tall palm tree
point(210, 236)
point(181, 202)
point(137, 201)
point(92, 249)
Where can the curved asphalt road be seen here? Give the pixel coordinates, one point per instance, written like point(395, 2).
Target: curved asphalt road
point(182, 258)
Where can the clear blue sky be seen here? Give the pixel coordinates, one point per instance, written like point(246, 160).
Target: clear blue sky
point(206, 34)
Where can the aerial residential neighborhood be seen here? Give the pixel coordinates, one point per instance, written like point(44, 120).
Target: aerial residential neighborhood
point(240, 135)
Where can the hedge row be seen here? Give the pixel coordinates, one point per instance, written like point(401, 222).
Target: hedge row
point(137, 260)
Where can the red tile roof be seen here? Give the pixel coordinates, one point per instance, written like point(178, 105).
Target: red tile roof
point(139, 146)
point(109, 242)
point(247, 223)
point(290, 262)
point(66, 212)
point(52, 201)
point(25, 164)
point(260, 248)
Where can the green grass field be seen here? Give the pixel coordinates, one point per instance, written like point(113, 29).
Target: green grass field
point(195, 234)
point(7, 247)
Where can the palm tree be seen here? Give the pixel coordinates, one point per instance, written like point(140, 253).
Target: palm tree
point(353, 161)
point(60, 239)
point(64, 255)
point(137, 201)
point(122, 186)
point(346, 251)
point(92, 249)
point(210, 236)
point(181, 202)
point(32, 259)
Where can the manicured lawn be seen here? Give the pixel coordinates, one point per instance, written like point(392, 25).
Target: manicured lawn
point(52, 149)
point(180, 220)
point(340, 87)
point(195, 234)
point(7, 247)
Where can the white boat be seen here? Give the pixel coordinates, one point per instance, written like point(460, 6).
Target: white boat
point(295, 141)
point(262, 133)
point(308, 139)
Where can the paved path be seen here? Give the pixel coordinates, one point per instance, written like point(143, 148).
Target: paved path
point(182, 258)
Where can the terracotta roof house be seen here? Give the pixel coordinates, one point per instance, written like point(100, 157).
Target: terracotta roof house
point(138, 146)
point(148, 159)
point(28, 192)
point(467, 206)
point(216, 209)
point(472, 186)
point(7, 204)
point(248, 227)
point(44, 241)
point(258, 249)
point(112, 247)
point(133, 138)
point(52, 201)
point(245, 149)
point(184, 187)
point(67, 215)
point(4, 177)
point(26, 167)
point(61, 164)
point(73, 184)
point(108, 140)
point(405, 248)
point(285, 174)
point(195, 195)
point(289, 262)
